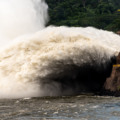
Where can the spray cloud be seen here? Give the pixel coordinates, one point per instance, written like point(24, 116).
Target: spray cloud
point(51, 61)
point(20, 17)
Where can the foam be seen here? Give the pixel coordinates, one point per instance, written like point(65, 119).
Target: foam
point(27, 64)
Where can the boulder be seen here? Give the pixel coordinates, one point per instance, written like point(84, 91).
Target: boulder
point(112, 84)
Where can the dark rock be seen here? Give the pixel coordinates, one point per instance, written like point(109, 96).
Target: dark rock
point(118, 59)
point(112, 84)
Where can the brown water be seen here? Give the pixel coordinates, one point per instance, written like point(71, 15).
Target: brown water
point(61, 108)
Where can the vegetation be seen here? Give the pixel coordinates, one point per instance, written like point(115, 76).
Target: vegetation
point(103, 14)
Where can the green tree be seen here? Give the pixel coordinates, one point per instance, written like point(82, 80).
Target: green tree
point(98, 13)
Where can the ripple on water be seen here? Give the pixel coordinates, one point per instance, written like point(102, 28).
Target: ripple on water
point(61, 108)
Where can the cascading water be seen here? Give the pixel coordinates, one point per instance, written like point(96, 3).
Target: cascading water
point(49, 61)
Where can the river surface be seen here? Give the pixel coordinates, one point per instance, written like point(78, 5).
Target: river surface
point(61, 108)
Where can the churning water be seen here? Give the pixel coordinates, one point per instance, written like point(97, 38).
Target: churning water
point(61, 108)
point(33, 58)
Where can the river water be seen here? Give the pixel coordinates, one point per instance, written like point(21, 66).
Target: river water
point(83, 107)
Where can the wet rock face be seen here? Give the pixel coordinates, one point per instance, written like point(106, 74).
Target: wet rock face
point(118, 59)
point(112, 84)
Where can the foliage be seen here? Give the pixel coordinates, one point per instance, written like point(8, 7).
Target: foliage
point(103, 14)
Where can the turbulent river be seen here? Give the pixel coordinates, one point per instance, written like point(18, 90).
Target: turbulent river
point(38, 61)
point(83, 107)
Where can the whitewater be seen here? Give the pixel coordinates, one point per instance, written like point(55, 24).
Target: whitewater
point(34, 58)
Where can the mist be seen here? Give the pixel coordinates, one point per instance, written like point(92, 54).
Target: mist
point(21, 17)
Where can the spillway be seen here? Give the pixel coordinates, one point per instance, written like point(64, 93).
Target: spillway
point(57, 61)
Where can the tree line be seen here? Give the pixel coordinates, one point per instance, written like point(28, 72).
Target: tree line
point(102, 14)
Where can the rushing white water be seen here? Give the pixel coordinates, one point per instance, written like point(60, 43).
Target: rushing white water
point(28, 63)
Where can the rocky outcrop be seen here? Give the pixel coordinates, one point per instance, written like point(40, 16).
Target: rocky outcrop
point(112, 84)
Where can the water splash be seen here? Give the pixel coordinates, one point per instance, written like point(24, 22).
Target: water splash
point(21, 17)
point(47, 62)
